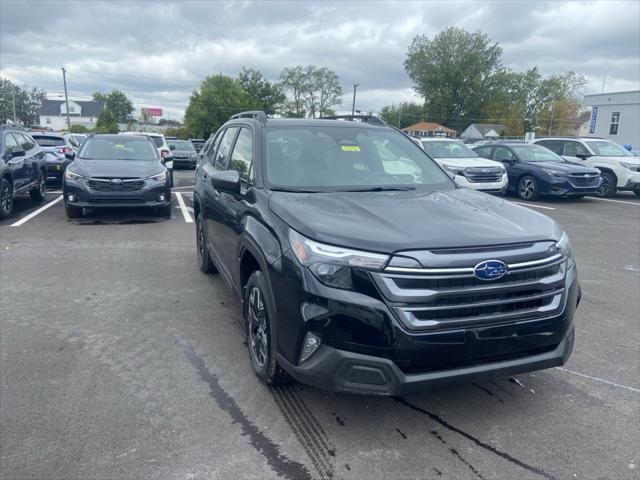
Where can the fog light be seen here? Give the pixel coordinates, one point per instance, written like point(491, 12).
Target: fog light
point(162, 197)
point(311, 344)
point(71, 197)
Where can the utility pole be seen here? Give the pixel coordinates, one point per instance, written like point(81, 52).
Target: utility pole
point(66, 98)
point(353, 105)
point(399, 113)
point(14, 105)
point(551, 109)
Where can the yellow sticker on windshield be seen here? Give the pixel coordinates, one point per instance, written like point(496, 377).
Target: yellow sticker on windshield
point(350, 148)
point(119, 145)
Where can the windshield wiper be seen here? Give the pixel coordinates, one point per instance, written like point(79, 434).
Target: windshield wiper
point(294, 190)
point(377, 189)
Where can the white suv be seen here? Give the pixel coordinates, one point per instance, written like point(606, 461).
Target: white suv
point(469, 170)
point(620, 170)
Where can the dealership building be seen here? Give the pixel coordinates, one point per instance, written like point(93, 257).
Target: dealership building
point(615, 116)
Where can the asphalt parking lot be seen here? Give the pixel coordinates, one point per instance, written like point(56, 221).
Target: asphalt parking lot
point(119, 359)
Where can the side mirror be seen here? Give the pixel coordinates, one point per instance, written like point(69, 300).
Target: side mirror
point(582, 156)
point(509, 161)
point(227, 181)
point(18, 152)
point(70, 155)
point(172, 147)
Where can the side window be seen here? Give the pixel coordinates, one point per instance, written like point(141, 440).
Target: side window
point(484, 152)
point(209, 149)
point(10, 143)
point(554, 145)
point(502, 153)
point(573, 149)
point(615, 122)
point(24, 142)
point(221, 157)
point(242, 155)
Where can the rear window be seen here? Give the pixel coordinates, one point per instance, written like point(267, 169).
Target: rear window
point(48, 141)
point(120, 148)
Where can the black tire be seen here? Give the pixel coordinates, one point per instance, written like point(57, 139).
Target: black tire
point(528, 188)
point(258, 315)
point(165, 211)
point(73, 212)
point(205, 264)
point(609, 183)
point(636, 190)
point(37, 193)
point(6, 198)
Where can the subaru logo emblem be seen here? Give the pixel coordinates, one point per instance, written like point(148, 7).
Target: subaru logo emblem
point(116, 181)
point(490, 270)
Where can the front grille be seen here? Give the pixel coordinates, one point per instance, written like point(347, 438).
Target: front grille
point(441, 298)
point(483, 175)
point(115, 200)
point(107, 185)
point(578, 180)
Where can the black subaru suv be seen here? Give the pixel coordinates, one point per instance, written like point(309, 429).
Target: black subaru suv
point(22, 167)
point(363, 268)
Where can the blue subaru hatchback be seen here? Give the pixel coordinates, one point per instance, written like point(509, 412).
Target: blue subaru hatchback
point(534, 170)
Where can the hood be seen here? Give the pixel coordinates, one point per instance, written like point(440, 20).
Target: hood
point(388, 222)
point(632, 159)
point(565, 167)
point(116, 168)
point(469, 162)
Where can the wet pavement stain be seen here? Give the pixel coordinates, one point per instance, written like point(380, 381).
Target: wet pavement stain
point(488, 392)
point(401, 434)
point(264, 445)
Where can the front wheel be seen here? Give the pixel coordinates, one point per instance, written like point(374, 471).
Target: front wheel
point(528, 188)
point(636, 190)
point(73, 212)
point(6, 198)
point(258, 317)
point(37, 193)
point(608, 188)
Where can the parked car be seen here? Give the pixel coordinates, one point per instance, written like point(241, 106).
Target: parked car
point(22, 168)
point(469, 170)
point(184, 153)
point(116, 171)
point(620, 169)
point(534, 171)
point(197, 143)
point(55, 146)
point(162, 146)
point(364, 268)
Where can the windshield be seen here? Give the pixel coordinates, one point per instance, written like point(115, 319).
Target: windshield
point(447, 149)
point(182, 145)
point(78, 139)
point(345, 158)
point(605, 148)
point(48, 141)
point(536, 153)
point(120, 148)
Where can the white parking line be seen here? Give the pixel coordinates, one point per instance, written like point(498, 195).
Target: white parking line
point(37, 212)
point(601, 380)
point(615, 201)
point(186, 186)
point(534, 206)
point(183, 208)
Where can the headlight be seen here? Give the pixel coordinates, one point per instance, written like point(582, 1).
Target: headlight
point(160, 177)
point(332, 265)
point(563, 246)
point(631, 166)
point(453, 169)
point(69, 175)
point(554, 173)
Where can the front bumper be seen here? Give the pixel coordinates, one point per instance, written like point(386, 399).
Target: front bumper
point(348, 372)
point(184, 162)
point(563, 187)
point(158, 195)
point(489, 187)
point(629, 181)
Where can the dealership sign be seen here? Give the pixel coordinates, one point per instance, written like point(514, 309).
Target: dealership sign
point(152, 111)
point(594, 118)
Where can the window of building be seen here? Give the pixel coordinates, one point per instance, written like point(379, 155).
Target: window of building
point(615, 122)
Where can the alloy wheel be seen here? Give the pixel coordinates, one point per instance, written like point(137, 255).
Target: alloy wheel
point(201, 242)
point(258, 328)
point(527, 188)
point(605, 189)
point(6, 199)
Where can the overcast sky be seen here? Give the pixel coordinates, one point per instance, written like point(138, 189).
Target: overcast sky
point(159, 52)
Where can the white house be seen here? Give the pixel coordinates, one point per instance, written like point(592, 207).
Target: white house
point(483, 130)
point(615, 116)
point(53, 113)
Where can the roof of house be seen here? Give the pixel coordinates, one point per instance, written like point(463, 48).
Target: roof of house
point(427, 127)
point(483, 128)
point(90, 108)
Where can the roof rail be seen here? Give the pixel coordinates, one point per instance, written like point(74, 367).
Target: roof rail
point(14, 126)
point(371, 119)
point(257, 114)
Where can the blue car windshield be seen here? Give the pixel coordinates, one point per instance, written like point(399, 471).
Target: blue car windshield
point(536, 153)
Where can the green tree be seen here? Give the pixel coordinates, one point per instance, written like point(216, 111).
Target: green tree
point(27, 103)
point(403, 114)
point(560, 98)
point(179, 132)
point(218, 98)
point(311, 91)
point(262, 94)
point(106, 122)
point(117, 102)
point(452, 72)
point(294, 83)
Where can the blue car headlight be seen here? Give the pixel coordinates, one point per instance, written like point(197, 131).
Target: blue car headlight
point(555, 173)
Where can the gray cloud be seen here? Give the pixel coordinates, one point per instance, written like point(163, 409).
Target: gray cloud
point(159, 52)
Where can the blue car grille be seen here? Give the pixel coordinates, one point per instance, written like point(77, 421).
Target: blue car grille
point(584, 180)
